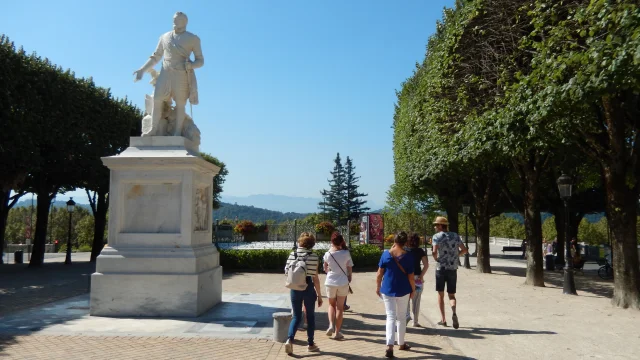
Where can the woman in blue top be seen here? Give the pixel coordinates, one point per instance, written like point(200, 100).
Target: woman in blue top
point(396, 285)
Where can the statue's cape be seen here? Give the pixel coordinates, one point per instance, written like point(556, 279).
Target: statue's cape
point(193, 84)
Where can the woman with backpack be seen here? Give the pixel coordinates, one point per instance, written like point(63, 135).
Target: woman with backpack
point(395, 285)
point(337, 265)
point(302, 278)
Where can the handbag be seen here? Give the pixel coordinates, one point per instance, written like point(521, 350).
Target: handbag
point(334, 259)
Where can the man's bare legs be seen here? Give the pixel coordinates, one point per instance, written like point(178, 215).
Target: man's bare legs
point(452, 302)
point(454, 318)
point(441, 306)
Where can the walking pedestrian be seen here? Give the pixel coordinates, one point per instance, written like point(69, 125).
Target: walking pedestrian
point(303, 259)
point(337, 265)
point(395, 285)
point(447, 249)
point(419, 258)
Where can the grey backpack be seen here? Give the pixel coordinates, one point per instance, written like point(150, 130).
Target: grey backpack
point(296, 273)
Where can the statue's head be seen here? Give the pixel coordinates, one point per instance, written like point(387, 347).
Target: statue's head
point(180, 22)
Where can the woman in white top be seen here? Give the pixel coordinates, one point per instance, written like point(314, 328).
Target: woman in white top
point(337, 265)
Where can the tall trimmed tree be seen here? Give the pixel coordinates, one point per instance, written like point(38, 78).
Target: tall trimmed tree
point(354, 204)
point(333, 199)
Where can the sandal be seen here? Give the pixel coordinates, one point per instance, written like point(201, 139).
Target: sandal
point(456, 324)
point(442, 323)
point(388, 353)
point(405, 347)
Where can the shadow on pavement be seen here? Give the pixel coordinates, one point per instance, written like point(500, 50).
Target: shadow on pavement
point(479, 333)
point(587, 282)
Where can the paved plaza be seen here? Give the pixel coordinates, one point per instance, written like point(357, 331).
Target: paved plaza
point(500, 319)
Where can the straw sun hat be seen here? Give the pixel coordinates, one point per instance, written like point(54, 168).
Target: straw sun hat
point(441, 220)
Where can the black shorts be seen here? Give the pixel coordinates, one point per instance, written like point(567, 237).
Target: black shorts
point(449, 277)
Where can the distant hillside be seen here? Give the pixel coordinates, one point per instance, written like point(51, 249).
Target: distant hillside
point(282, 203)
point(243, 212)
point(27, 203)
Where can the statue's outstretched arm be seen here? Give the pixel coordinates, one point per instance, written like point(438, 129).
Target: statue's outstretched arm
point(197, 54)
point(154, 58)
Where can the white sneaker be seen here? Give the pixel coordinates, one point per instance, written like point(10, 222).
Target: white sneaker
point(329, 331)
point(338, 336)
point(288, 347)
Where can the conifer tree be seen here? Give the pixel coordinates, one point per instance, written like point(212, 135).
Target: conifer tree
point(354, 204)
point(334, 198)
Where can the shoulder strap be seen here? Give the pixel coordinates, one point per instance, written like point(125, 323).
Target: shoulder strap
point(398, 263)
point(334, 259)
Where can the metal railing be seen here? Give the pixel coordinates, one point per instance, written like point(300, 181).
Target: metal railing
point(277, 236)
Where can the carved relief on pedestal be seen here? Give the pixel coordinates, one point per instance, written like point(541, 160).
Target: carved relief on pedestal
point(202, 206)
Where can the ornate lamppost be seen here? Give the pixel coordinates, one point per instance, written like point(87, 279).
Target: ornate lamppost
point(465, 210)
point(71, 205)
point(565, 186)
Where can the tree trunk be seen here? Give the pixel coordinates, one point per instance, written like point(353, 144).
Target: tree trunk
point(4, 213)
point(42, 221)
point(559, 220)
point(100, 221)
point(451, 207)
point(480, 188)
point(621, 205)
point(574, 223)
point(530, 173)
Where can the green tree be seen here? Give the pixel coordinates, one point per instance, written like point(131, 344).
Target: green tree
point(549, 230)
point(16, 140)
point(114, 121)
point(218, 180)
point(334, 199)
point(84, 231)
point(584, 87)
point(354, 204)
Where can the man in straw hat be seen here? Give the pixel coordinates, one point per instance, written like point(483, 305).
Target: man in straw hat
point(447, 249)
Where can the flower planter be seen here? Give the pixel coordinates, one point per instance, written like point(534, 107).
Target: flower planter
point(261, 236)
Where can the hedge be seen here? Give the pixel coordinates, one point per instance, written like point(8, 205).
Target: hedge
point(364, 256)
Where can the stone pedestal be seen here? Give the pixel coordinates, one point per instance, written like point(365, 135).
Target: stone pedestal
point(160, 260)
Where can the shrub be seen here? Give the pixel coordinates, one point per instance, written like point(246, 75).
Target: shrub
point(325, 227)
point(365, 255)
point(274, 259)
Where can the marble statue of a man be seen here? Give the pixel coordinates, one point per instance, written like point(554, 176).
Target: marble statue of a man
point(177, 80)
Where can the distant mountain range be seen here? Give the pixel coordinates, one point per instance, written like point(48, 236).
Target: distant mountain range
point(255, 214)
point(282, 203)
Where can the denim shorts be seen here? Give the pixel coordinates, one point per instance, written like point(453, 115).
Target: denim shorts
point(448, 277)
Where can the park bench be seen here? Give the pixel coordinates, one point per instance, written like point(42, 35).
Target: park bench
point(511, 248)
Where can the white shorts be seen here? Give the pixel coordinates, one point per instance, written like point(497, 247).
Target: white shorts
point(335, 291)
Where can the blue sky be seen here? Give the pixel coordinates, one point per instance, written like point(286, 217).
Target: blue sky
point(285, 86)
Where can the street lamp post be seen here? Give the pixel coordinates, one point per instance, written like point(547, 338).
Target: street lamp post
point(465, 210)
point(71, 205)
point(565, 184)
